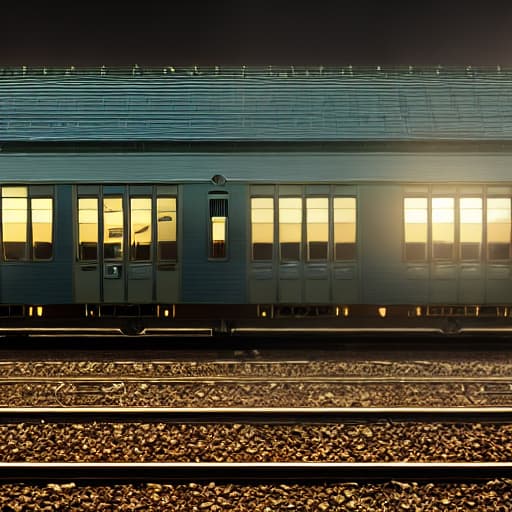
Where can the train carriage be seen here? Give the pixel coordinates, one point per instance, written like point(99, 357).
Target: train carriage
point(233, 200)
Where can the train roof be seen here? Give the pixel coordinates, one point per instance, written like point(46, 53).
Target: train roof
point(288, 104)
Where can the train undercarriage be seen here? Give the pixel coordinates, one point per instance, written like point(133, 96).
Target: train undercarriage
point(242, 319)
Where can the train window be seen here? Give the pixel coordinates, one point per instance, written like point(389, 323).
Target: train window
point(166, 228)
point(317, 230)
point(470, 228)
point(443, 227)
point(344, 228)
point(14, 223)
point(262, 227)
point(87, 228)
point(42, 228)
point(416, 228)
point(218, 228)
point(498, 228)
point(27, 225)
point(140, 228)
point(290, 228)
point(113, 228)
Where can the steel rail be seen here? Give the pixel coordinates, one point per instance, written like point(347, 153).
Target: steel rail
point(263, 379)
point(254, 415)
point(251, 471)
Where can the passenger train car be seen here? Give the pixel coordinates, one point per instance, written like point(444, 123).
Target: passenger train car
point(238, 200)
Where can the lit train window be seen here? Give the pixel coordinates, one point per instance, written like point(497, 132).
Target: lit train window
point(27, 225)
point(416, 228)
point(42, 228)
point(317, 230)
point(87, 228)
point(470, 228)
point(140, 228)
point(498, 228)
point(218, 228)
point(166, 228)
point(113, 228)
point(290, 228)
point(14, 223)
point(344, 228)
point(443, 227)
point(262, 227)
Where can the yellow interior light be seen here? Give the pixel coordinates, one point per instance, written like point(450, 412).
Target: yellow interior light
point(39, 310)
point(382, 312)
point(418, 310)
point(346, 311)
point(30, 311)
point(166, 313)
point(264, 314)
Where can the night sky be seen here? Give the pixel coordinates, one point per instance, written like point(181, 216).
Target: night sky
point(238, 32)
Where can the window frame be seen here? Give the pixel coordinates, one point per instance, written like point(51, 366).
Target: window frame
point(274, 228)
point(457, 195)
point(32, 192)
point(212, 196)
point(156, 241)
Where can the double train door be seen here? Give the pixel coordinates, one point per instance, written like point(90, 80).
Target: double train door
point(126, 244)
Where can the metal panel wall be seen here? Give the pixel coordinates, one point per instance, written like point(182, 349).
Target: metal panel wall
point(45, 282)
point(264, 167)
point(204, 280)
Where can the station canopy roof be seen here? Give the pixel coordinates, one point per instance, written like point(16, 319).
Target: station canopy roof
point(277, 104)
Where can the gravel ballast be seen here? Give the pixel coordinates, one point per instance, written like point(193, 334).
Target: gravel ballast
point(495, 495)
point(377, 442)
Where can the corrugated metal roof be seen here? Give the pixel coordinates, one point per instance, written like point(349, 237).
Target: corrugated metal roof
point(255, 104)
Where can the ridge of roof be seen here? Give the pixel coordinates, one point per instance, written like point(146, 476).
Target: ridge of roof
point(256, 71)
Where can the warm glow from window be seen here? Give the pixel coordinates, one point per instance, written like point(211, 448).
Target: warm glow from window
point(14, 222)
point(140, 228)
point(344, 228)
point(166, 228)
point(471, 219)
point(317, 218)
point(113, 228)
point(471, 215)
point(42, 229)
point(87, 228)
point(498, 228)
point(443, 227)
point(290, 227)
point(262, 227)
point(218, 237)
point(416, 227)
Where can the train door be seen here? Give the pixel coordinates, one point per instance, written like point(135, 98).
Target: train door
point(303, 244)
point(127, 250)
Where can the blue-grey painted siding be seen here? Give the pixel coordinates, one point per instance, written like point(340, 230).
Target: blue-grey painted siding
point(45, 282)
point(257, 105)
point(206, 281)
point(256, 167)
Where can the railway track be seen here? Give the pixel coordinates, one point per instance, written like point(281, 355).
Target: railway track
point(255, 415)
point(252, 472)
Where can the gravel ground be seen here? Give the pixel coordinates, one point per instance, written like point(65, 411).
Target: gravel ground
point(495, 495)
point(474, 368)
point(118, 442)
point(262, 394)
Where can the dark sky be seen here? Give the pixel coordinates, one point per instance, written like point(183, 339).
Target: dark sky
point(236, 32)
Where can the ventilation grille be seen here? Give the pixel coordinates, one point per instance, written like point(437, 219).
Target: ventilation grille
point(218, 207)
